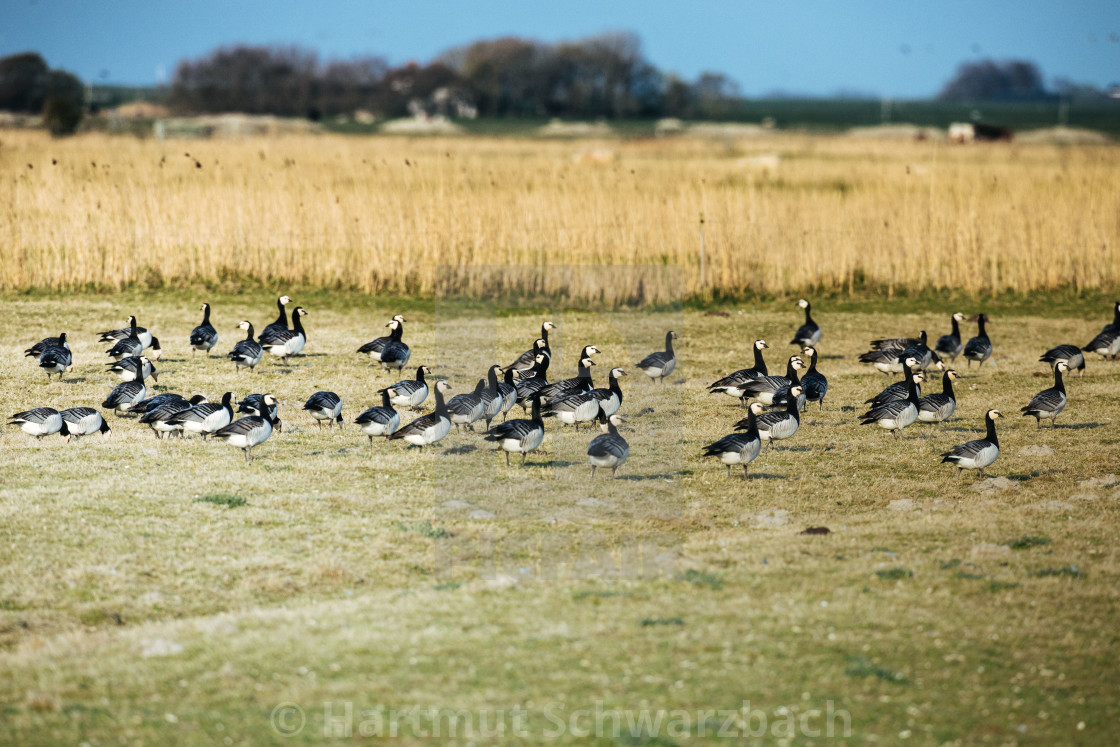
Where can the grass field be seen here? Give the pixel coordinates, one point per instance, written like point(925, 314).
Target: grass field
point(171, 592)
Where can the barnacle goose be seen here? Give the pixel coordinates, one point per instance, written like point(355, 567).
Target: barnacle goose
point(814, 382)
point(410, 392)
point(809, 333)
point(254, 404)
point(897, 414)
point(781, 397)
point(525, 361)
point(1069, 354)
point(250, 431)
point(934, 408)
point(466, 408)
point(41, 347)
point(246, 353)
point(661, 364)
point(204, 336)
point(492, 398)
point(899, 390)
point(608, 449)
point(374, 347)
point(950, 345)
point(126, 396)
point(574, 409)
point(281, 323)
point(159, 418)
point(1049, 403)
point(507, 389)
point(396, 353)
point(610, 399)
point(379, 421)
point(979, 348)
point(205, 418)
point(128, 369)
point(565, 387)
point(520, 436)
point(732, 384)
point(887, 354)
point(56, 360)
point(739, 448)
point(776, 426)
point(159, 400)
point(39, 422)
point(530, 385)
point(977, 454)
point(325, 406)
point(132, 347)
point(427, 429)
point(288, 342)
point(132, 330)
point(540, 347)
point(82, 421)
point(1107, 343)
point(765, 387)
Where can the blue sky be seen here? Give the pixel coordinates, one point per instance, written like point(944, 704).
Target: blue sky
point(900, 48)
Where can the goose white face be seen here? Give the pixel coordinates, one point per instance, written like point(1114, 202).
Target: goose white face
point(301, 311)
point(243, 325)
point(1062, 366)
point(587, 363)
point(756, 407)
point(959, 316)
point(270, 400)
point(539, 344)
point(131, 320)
point(393, 324)
point(803, 303)
point(616, 372)
point(939, 365)
point(443, 386)
point(808, 351)
point(797, 364)
point(918, 377)
point(995, 414)
point(592, 350)
point(203, 307)
point(673, 335)
point(795, 391)
point(760, 344)
point(953, 375)
point(549, 326)
point(427, 371)
point(399, 318)
point(616, 420)
point(912, 362)
point(284, 300)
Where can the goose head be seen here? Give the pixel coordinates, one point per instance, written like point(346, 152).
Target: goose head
point(243, 324)
point(587, 363)
point(616, 372)
point(156, 350)
point(300, 310)
point(399, 318)
point(672, 335)
point(540, 344)
point(808, 351)
point(994, 414)
point(756, 408)
point(911, 362)
point(803, 303)
point(549, 326)
point(959, 317)
point(1062, 366)
point(284, 300)
point(939, 365)
point(795, 392)
point(443, 387)
point(760, 345)
point(952, 374)
point(796, 363)
point(425, 370)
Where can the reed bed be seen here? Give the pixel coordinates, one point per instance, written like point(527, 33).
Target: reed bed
point(781, 214)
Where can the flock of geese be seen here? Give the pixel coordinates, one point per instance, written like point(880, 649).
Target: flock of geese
point(774, 403)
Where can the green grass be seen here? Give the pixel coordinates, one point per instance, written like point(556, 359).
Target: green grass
point(138, 604)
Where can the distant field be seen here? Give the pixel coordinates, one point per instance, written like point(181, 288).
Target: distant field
point(782, 214)
point(168, 592)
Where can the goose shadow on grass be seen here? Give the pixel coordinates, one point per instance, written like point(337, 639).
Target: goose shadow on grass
point(1075, 426)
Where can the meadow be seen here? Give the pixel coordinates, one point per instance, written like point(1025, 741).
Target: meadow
point(172, 592)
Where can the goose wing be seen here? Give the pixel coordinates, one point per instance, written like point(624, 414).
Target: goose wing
point(608, 444)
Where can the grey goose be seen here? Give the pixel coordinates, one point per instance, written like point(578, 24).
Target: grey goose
point(814, 382)
point(83, 421)
point(1071, 355)
point(374, 347)
point(410, 393)
point(281, 323)
point(739, 448)
point(780, 425)
point(465, 409)
point(132, 330)
point(325, 407)
point(159, 418)
point(524, 362)
point(978, 454)
point(519, 436)
point(246, 353)
point(204, 336)
point(126, 396)
point(979, 348)
point(732, 384)
point(56, 360)
point(289, 342)
point(936, 408)
point(809, 333)
point(950, 345)
point(661, 364)
point(129, 369)
point(379, 421)
point(897, 414)
point(39, 422)
point(205, 418)
point(608, 449)
point(428, 429)
point(396, 353)
point(1049, 403)
point(47, 342)
point(764, 388)
point(250, 431)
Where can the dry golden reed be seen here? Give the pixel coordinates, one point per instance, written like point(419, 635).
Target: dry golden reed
point(782, 214)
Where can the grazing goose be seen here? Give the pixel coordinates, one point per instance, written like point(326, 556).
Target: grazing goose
point(765, 387)
point(540, 347)
point(950, 345)
point(204, 336)
point(1107, 343)
point(39, 422)
point(661, 364)
point(281, 323)
point(83, 421)
point(977, 454)
point(608, 449)
point(466, 408)
point(574, 409)
point(132, 330)
point(41, 347)
point(610, 399)
point(159, 400)
point(410, 393)
point(205, 418)
point(1069, 354)
point(132, 347)
point(56, 360)
point(530, 385)
point(732, 384)
point(897, 414)
point(246, 353)
point(525, 361)
point(288, 342)
point(379, 421)
point(520, 436)
point(814, 382)
point(374, 347)
point(935, 408)
point(427, 429)
point(492, 398)
point(250, 431)
point(1049, 403)
point(979, 348)
point(128, 369)
point(507, 389)
point(254, 404)
point(776, 426)
point(325, 406)
point(159, 418)
point(396, 353)
point(127, 395)
point(739, 448)
point(887, 354)
point(809, 333)
point(560, 389)
point(899, 390)
point(781, 397)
